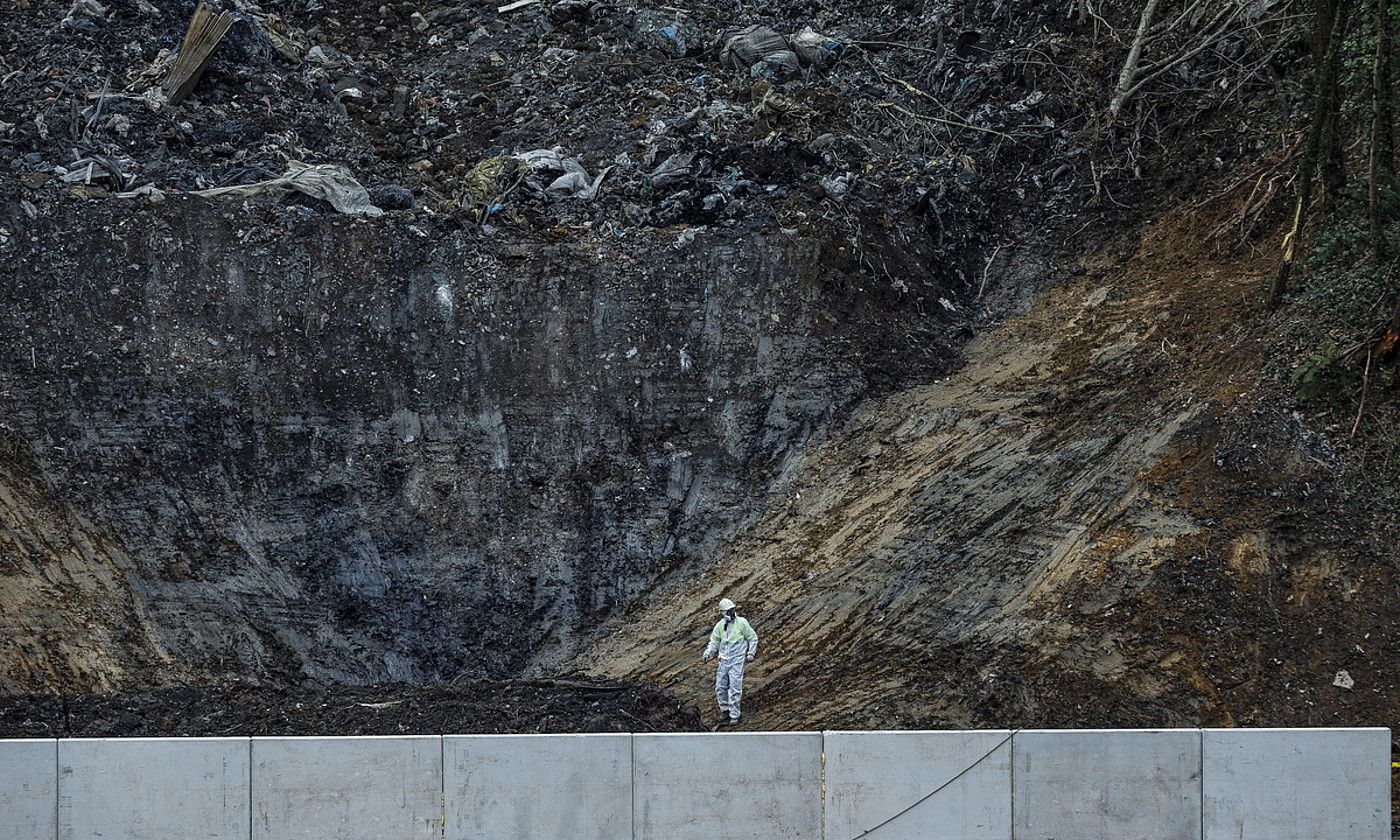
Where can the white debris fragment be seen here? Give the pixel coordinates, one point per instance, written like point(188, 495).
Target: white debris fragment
point(444, 299)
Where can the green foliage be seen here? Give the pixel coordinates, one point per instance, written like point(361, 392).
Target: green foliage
point(1317, 377)
point(1345, 298)
point(1346, 295)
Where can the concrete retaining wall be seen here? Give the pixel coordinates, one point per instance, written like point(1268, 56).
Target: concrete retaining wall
point(700, 787)
point(880, 778)
point(366, 788)
point(145, 788)
point(1144, 784)
point(1296, 784)
point(29, 790)
point(521, 787)
point(1186, 784)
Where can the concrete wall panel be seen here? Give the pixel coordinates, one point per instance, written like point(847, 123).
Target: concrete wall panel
point(523, 787)
point(1107, 784)
point(360, 788)
point(29, 789)
point(153, 788)
point(1297, 784)
point(742, 786)
point(872, 776)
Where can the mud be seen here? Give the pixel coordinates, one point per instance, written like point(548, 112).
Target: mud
point(496, 707)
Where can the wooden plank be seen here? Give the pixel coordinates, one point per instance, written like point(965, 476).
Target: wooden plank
point(203, 35)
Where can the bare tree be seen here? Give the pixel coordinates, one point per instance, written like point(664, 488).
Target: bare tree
point(1196, 25)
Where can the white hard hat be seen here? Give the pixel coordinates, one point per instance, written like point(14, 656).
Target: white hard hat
point(725, 605)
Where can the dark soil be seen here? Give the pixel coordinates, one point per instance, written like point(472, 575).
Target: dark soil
point(506, 707)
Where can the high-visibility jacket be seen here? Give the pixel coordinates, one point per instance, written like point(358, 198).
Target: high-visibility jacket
point(732, 638)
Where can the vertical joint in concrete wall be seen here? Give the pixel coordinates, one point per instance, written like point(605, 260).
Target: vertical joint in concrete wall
point(1011, 772)
point(1202, 765)
point(632, 791)
point(1014, 734)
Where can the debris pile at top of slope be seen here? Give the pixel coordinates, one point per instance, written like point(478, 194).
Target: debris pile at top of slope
point(950, 117)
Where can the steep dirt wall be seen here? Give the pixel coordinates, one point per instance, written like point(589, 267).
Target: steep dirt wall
point(366, 450)
point(1111, 516)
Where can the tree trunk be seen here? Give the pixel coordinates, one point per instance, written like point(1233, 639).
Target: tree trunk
point(1130, 66)
point(1382, 157)
point(1324, 94)
point(1332, 22)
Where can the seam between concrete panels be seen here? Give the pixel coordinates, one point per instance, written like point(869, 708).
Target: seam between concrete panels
point(442, 786)
point(250, 788)
point(1015, 736)
point(1201, 741)
point(821, 787)
point(632, 789)
point(56, 777)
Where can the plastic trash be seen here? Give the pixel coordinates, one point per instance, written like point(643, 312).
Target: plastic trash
point(330, 182)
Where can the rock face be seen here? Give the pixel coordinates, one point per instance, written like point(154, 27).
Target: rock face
point(366, 451)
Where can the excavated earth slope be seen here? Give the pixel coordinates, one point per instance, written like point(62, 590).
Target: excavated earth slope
point(346, 453)
point(1109, 516)
point(248, 437)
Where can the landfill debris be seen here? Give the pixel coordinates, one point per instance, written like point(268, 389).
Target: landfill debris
point(573, 179)
point(392, 197)
point(324, 56)
point(288, 42)
point(518, 4)
point(117, 172)
point(814, 48)
point(759, 50)
point(1343, 680)
point(673, 118)
point(837, 187)
point(672, 171)
point(490, 181)
point(205, 31)
point(667, 33)
point(82, 15)
point(329, 182)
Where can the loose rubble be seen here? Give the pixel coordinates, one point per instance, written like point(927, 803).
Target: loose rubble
point(532, 115)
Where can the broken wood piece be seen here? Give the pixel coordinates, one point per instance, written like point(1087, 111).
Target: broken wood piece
point(205, 31)
point(518, 4)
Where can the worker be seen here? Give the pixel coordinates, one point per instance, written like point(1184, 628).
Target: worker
point(736, 643)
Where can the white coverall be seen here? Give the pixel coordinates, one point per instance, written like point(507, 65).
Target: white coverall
point(736, 642)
